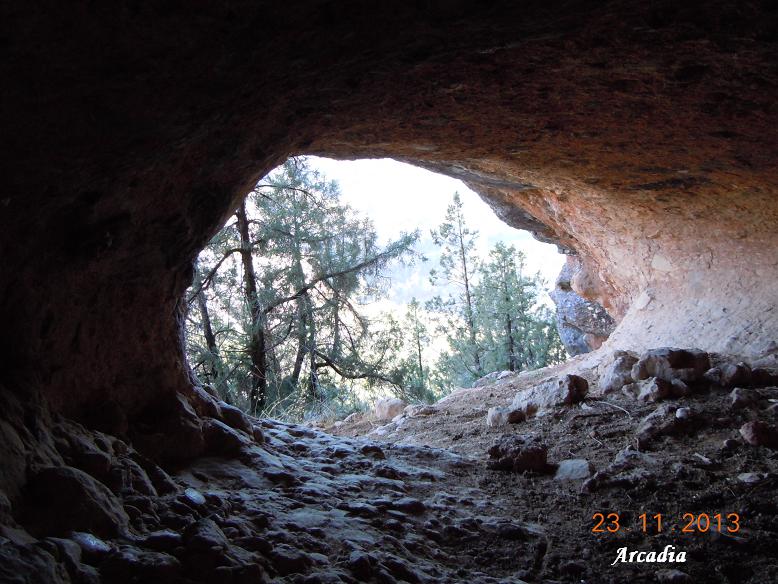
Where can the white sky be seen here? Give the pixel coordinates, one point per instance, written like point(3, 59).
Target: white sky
point(400, 197)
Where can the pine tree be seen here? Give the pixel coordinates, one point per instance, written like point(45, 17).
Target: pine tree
point(304, 260)
point(458, 271)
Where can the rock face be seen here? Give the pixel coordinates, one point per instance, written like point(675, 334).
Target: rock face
point(583, 325)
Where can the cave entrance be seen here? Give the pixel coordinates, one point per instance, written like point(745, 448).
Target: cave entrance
point(335, 283)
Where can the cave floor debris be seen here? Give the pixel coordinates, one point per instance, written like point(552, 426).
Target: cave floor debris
point(415, 500)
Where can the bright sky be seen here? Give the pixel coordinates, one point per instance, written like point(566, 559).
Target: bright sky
point(400, 197)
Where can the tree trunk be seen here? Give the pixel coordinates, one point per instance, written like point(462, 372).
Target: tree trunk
point(256, 348)
point(510, 341)
point(418, 351)
point(210, 338)
point(302, 331)
point(313, 380)
point(469, 301)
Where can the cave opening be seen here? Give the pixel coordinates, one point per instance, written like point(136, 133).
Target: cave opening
point(376, 224)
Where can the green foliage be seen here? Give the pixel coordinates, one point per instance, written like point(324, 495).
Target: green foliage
point(459, 266)
point(491, 317)
point(279, 320)
point(316, 264)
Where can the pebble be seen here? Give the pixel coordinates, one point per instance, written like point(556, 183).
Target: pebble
point(194, 496)
point(90, 545)
point(574, 469)
point(740, 398)
point(683, 414)
point(751, 478)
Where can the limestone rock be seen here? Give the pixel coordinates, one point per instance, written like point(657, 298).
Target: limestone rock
point(559, 391)
point(574, 469)
point(388, 407)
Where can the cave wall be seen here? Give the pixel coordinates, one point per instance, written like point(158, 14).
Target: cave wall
point(638, 135)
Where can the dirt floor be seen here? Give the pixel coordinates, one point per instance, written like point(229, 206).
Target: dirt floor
point(691, 468)
point(420, 499)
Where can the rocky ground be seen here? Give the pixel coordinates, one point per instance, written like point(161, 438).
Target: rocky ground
point(436, 495)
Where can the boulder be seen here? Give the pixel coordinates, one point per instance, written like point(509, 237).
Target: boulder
point(558, 391)
point(667, 363)
point(389, 407)
point(519, 454)
point(618, 373)
point(235, 418)
point(760, 434)
point(66, 499)
point(222, 440)
point(583, 324)
point(656, 389)
point(500, 416)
